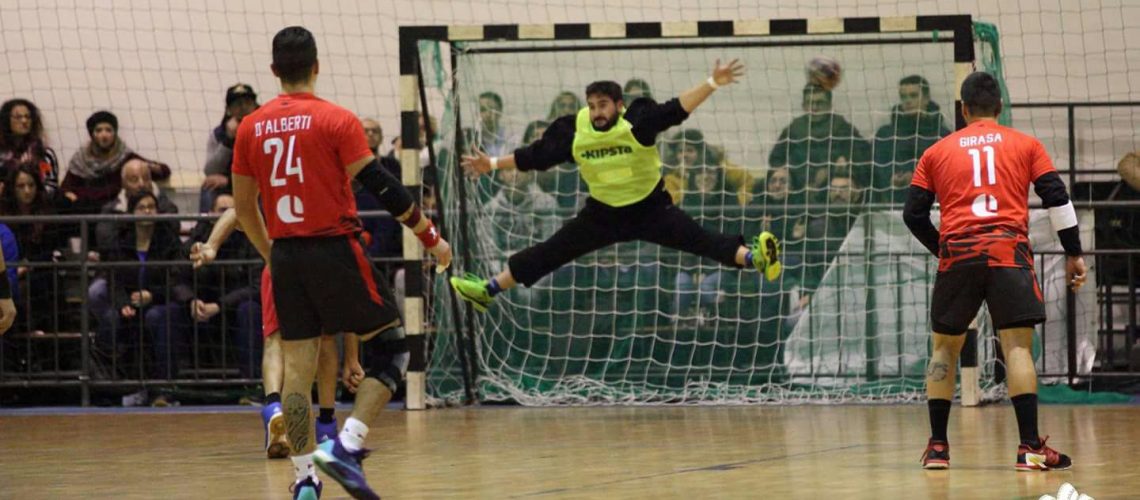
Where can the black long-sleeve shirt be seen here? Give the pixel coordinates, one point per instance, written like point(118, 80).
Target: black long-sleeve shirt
point(1049, 187)
point(556, 145)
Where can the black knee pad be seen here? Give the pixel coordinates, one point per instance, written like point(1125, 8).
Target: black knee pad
point(386, 357)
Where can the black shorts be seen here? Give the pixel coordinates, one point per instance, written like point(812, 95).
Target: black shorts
point(654, 219)
point(327, 285)
point(1011, 294)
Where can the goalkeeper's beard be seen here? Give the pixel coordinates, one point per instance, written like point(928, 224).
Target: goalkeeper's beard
point(606, 123)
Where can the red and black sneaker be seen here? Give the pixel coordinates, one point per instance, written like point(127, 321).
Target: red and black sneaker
point(1041, 458)
point(937, 455)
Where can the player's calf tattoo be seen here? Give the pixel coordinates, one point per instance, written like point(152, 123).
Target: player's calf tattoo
point(937, 371)
point(297, 419)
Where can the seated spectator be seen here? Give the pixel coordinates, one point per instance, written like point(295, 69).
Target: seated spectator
point(562, 181)
point(820, 144)
point(708, 201)
point(241, 100)
point(220, 291)
point(24, 193)
point(135, 177)
point(779, 205)
point(93, 175)
point(827, 230)
point(916, 124)
point(384, 237)
point(521, 215)
point(687, 148)
point(375, 134)
point(566, 103)
point(635, 88)
point(492, 135)
point(22, 142)
point(139, 300)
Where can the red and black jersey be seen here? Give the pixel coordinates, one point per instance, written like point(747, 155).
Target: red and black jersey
point(297, 147)
point(981, 176)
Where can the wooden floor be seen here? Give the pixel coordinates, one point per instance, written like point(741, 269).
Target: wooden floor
point(823, 452)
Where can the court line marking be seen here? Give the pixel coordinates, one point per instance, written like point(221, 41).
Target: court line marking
point(707, 468)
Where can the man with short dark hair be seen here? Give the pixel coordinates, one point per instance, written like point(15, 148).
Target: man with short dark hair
point(980, 176)
point(493, 139)
point(820, 144)
point(299, 153)
point(616, 152)
point(916, 124)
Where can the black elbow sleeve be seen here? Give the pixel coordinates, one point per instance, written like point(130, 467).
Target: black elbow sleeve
point(393, 196)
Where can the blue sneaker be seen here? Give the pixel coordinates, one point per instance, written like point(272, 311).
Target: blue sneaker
point(306, 490)
point(276, 442)
point(327, 431)
point(344, 468)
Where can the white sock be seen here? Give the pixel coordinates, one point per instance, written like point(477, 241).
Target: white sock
point(303, 467)
point(353, 434)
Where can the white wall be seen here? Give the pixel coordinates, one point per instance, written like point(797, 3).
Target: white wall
point(163, 66)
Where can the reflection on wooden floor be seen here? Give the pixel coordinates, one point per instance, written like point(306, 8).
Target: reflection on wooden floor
point(824, 452)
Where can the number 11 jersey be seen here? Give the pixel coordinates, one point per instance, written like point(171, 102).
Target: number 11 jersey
point(981, 176)
point(297, 146)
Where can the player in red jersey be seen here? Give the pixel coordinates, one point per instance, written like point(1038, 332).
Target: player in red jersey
point(981, 176)
point(276, 444)
point(300, 152)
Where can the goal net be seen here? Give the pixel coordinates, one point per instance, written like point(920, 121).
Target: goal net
point(826, 171)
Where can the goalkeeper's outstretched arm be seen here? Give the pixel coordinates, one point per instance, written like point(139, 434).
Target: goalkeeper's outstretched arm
point(553, 148)
point(721, 76)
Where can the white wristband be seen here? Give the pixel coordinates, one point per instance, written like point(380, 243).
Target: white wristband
point(494, 163)
point(712, 83)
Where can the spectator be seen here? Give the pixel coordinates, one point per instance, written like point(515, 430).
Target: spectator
point(567, 103)
point(139, 295)
point(135, 177)
point(521, 215)
point(384, 237)
point(687, 148)
point(24, 193)
point(707, 199)
point(819, 145)
point(563, 181)
point(241, 100)
point(375, 135)
point(826, 231)
point(779, 204)
point(635, 88)
point(220, 291)
point(493, 137)
point(22, 142)
point(916, 124)
point(94, 172)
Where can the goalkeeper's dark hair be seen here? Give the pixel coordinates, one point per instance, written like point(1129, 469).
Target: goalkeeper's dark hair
point(917, 80)
point(607, 88)
point(294, 54)
point(981, 94)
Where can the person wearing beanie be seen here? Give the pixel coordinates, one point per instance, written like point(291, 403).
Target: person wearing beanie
point(92, 177)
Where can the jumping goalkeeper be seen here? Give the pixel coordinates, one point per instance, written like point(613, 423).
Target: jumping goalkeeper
point(615, 150)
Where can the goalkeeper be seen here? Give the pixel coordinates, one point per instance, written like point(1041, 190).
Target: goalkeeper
point(614, 149)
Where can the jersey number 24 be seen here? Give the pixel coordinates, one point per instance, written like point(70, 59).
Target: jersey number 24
point(290, 209)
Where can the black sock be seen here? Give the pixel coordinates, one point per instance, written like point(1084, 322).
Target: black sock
point(939, 417)
point(273, 397)
point(326, 415)
point(1025, 406)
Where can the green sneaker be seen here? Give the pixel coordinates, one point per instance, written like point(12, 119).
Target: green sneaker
point(473, 289)
point(766, 255)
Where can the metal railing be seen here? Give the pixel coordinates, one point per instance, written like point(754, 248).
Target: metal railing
point(71, 352)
